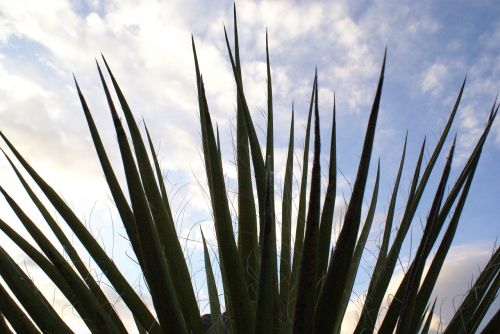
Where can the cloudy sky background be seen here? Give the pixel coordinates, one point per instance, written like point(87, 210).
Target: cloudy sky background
point(431, 47)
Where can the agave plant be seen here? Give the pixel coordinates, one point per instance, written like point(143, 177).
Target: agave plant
point(306, 291)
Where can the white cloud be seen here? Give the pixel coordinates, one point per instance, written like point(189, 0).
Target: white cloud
point(434, 78)
point(423, 24)
point(148, 47)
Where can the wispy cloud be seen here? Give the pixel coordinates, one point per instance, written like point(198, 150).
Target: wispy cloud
point(148, 45)
point(434, 78)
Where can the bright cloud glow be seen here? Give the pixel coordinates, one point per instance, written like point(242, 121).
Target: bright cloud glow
point(148, 45)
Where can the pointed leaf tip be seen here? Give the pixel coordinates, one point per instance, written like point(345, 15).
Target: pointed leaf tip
point(383, 62)
point(463, 83)
point(76, 84)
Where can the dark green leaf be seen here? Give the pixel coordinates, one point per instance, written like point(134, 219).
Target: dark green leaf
point(116, 278)
point(39, 309)
point(265, 303)
point(358, 252)
point(286, 231)
point(213, 296)
point(326, 223)
point(162, 221)
point(301, 214)
point(16, 317)
point(304, 307)
point(157, 273)
point(335, 281)
point(231, 267)
point(428, 320)
point(376, 294)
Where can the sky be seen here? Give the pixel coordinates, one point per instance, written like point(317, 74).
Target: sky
point(432, 46)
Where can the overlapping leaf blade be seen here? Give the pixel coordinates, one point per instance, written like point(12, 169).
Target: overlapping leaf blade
point(68, 281)
point(107, 266)
point(311, 294)
point(465, 313)
point(213, 296)
point(333, 288)
point(67, 245)
point(304, 307)
point(232, 269)
point(301, 216)
point(326, 223)
point(119, 198)
point(286, 230)
point(162, 220)
point(15, 315)
point(264, 314)
point(427, 324)
point(358, 252)
point(157, 273)
point(377, 290)
point(247, 216)
point(33, 301)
